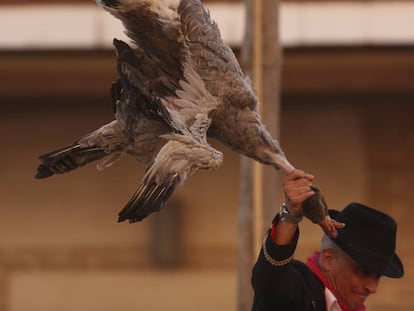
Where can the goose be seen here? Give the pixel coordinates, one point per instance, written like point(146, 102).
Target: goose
point(179, 84)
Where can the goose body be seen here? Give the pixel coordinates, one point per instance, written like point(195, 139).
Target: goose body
point(179, 84)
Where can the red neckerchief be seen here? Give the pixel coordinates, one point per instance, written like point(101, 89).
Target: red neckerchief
point(313, 265)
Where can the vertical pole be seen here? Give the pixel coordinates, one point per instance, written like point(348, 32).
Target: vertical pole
point(245, 234)
point(258, 85)
point(261, 59)
point(272, 58)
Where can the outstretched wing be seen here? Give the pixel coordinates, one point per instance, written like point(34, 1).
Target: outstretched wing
point(186, 151)
point(174, 92)
point(175, 36)
point(141, 76)
point(213, 59)
point(236, 121)
point(184, 105)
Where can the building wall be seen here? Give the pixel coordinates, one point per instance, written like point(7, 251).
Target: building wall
point(61, 247)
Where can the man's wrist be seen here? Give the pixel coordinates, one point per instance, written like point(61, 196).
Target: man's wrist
point(286, 216)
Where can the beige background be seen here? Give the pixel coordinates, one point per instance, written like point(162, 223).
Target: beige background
point(346, 117)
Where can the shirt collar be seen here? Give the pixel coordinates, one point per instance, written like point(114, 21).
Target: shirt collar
point(331, 301)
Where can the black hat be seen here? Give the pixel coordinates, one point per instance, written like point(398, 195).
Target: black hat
point(369, 238)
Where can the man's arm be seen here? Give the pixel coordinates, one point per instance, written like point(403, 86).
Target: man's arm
point(279, 282)
point(277, 279)
point(297, 188)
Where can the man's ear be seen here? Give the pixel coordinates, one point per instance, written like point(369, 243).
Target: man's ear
point(327, 258)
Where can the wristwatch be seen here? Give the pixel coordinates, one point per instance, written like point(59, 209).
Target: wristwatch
point(284, 215)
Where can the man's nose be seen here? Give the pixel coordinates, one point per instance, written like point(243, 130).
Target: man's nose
point(372, 283)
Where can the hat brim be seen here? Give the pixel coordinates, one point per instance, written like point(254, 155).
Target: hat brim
point(395, 268)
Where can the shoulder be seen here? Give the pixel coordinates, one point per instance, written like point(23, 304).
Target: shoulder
point(308, 276)
point(291, 287)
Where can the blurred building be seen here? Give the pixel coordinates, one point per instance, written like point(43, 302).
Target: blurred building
point(346, 116)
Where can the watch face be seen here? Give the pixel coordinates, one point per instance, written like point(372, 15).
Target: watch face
point(285, 216)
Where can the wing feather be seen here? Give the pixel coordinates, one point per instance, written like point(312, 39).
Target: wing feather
point(214, 60)
point(176, 161)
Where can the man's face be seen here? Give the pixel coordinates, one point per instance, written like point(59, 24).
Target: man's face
point(351, 283)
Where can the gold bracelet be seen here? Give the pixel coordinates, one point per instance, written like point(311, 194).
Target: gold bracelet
point(274, 262)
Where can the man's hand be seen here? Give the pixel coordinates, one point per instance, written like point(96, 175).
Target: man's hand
point(297, 188)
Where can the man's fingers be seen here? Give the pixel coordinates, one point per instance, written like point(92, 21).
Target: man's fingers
point(298, 187)
point(297, 182)
point(299, 175)
point(338, 224)
point(296, 174)
point(330, 225)
point(309, 177)
point(303, 190)
point(301, 194)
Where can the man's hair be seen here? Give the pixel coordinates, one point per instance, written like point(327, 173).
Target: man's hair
point(327, 243)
